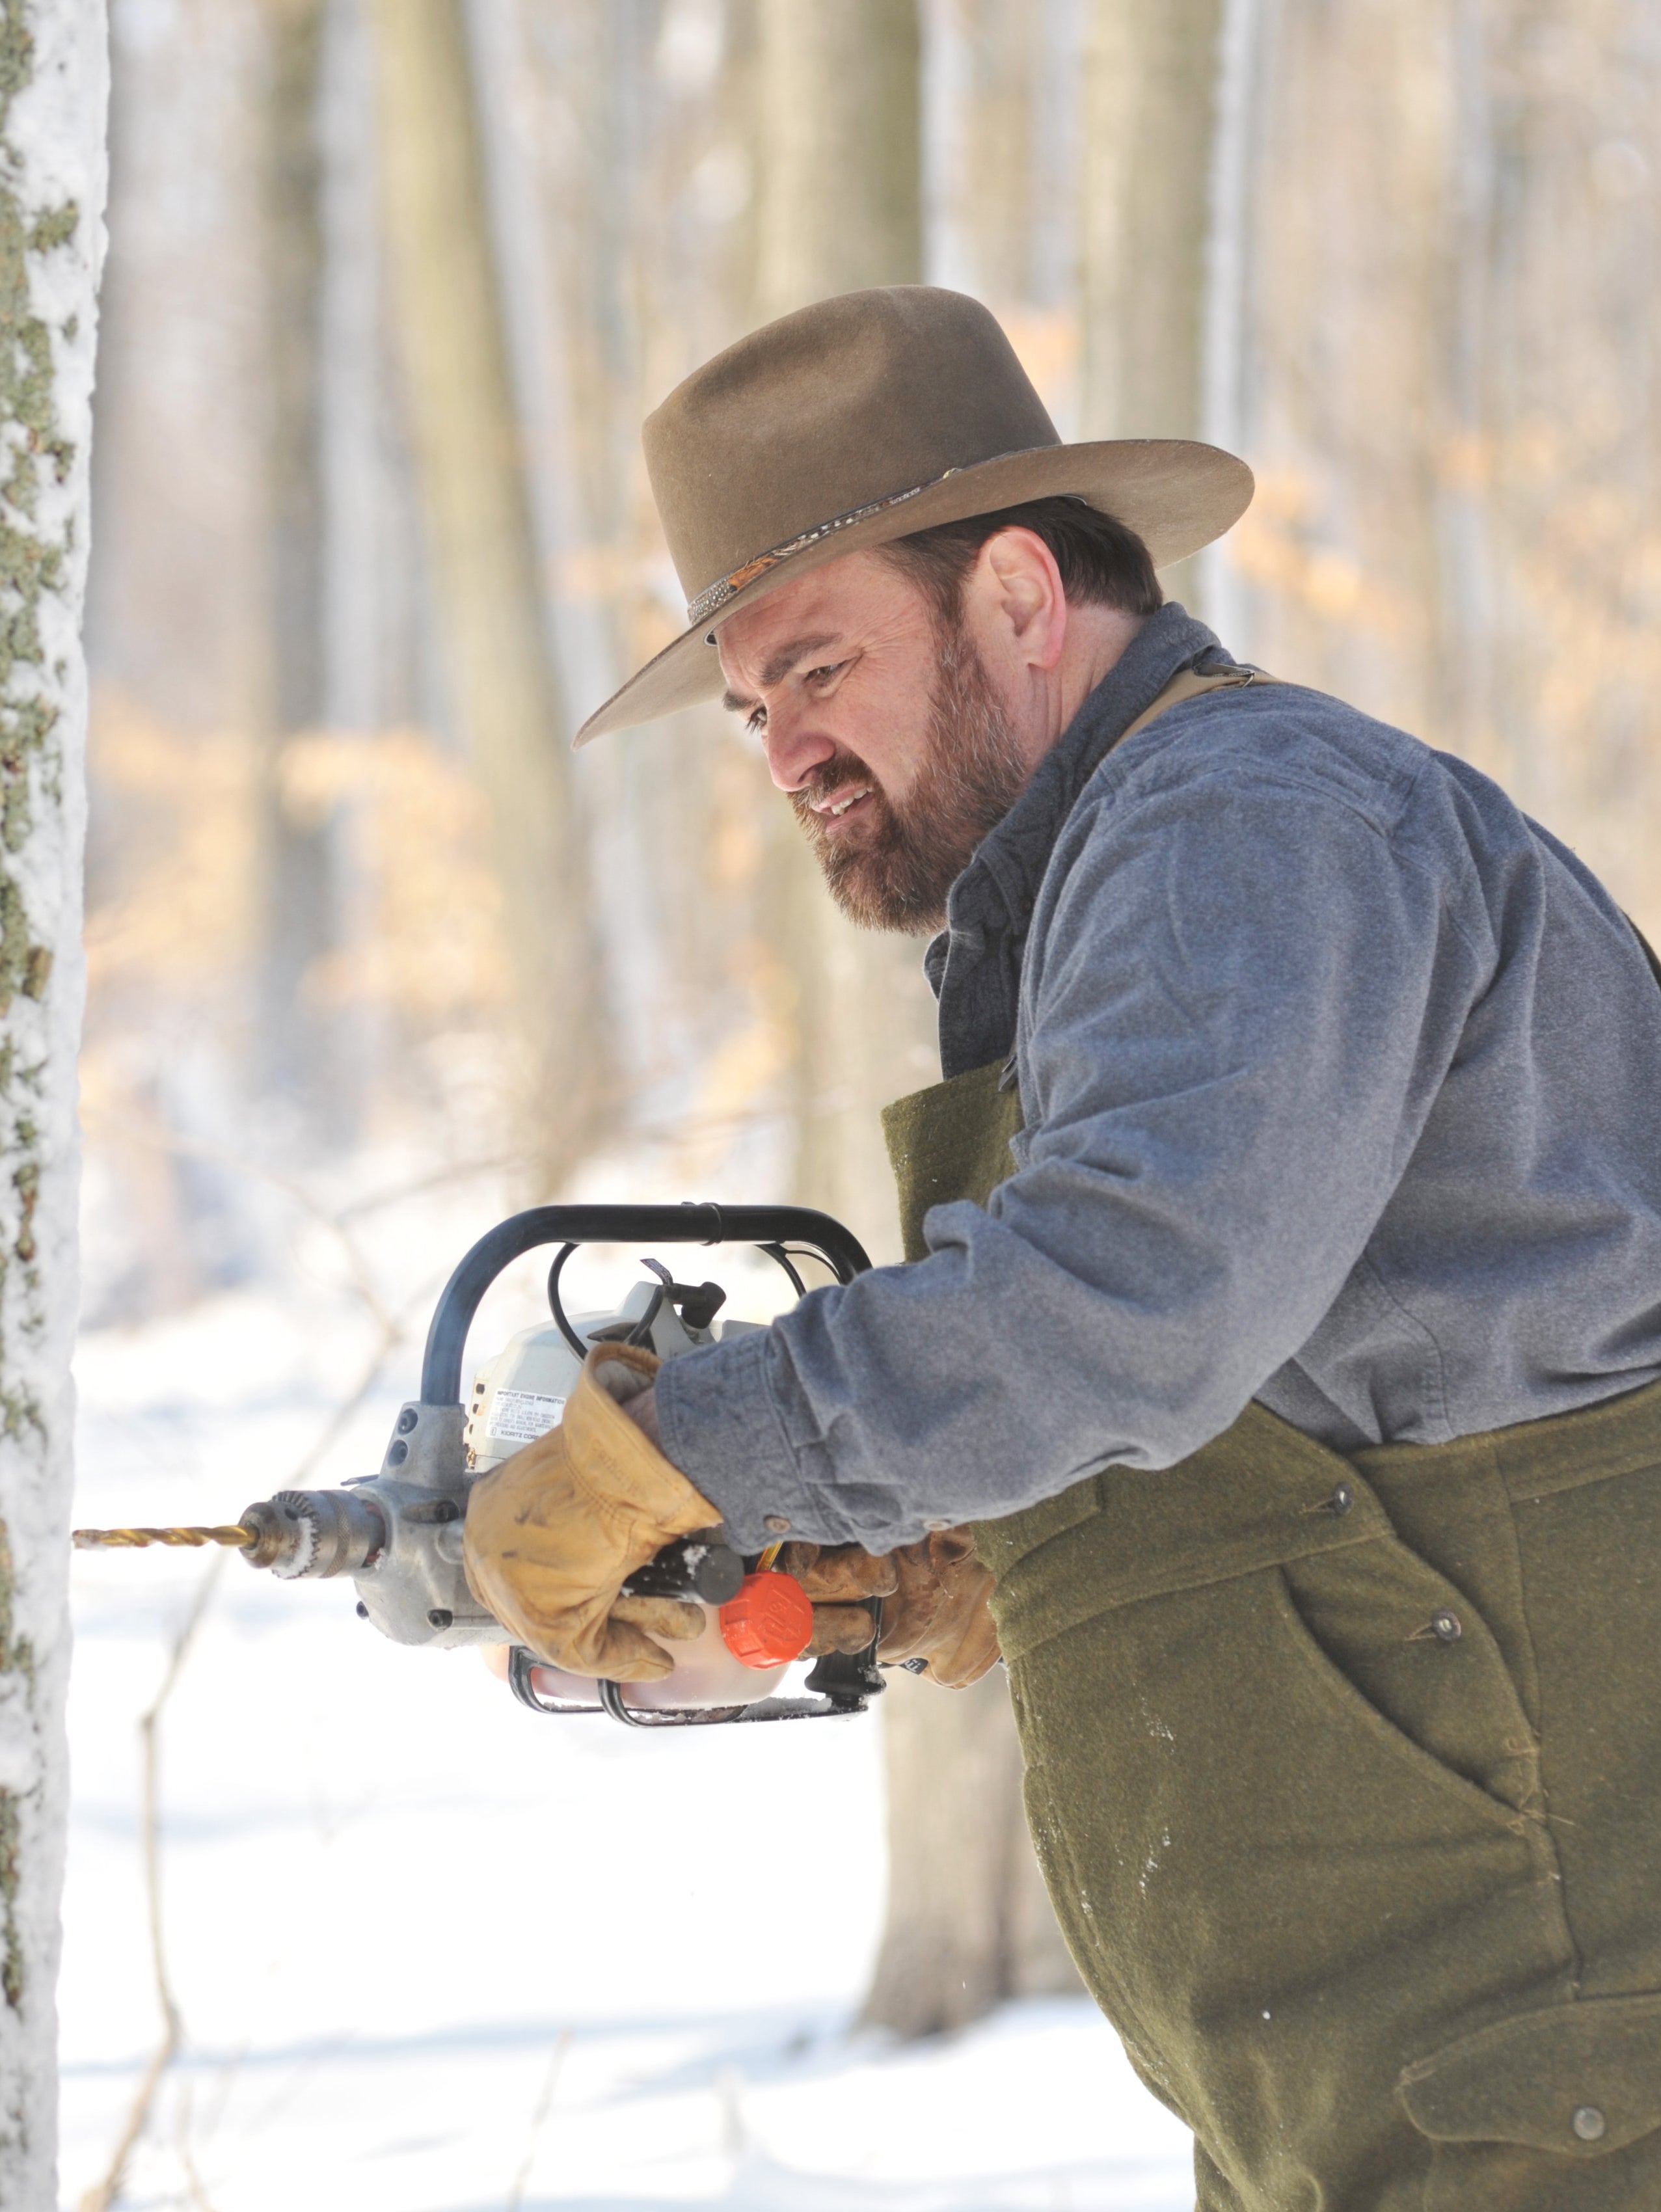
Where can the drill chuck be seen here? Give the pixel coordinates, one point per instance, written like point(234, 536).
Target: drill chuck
point(314, 1533)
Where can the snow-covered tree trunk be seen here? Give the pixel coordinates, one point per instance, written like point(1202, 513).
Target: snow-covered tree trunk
point(54, 86)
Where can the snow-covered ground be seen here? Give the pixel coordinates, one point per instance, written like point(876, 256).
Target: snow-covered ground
point(430, 1951)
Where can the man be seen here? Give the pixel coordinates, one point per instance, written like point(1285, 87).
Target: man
point(1282, 1322)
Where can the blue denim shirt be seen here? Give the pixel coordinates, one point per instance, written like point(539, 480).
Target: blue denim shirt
point(1342, 1090)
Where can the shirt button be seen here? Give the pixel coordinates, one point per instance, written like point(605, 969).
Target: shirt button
point(776, 1524)
point(1341, 1498)
point(1588, 2122)
point(1447, 1628)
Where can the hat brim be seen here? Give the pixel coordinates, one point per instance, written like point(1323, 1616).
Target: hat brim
point(1176, 493)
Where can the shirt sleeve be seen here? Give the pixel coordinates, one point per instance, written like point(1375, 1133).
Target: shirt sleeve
point(1240, 1004)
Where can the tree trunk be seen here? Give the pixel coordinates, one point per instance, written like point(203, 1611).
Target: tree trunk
point(1150, 71)
point(840, 207)
point(293, 1054)
point(489, 603)
point(52, 125)
point(1150, 97)
point(842, 199)
point(969, 1921)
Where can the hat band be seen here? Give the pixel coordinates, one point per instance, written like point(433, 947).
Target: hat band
point(728, 587)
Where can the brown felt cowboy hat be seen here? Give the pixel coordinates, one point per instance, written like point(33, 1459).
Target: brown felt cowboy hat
point(860, 420)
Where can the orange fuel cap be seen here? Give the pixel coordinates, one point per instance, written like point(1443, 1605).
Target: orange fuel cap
point(769, 1622)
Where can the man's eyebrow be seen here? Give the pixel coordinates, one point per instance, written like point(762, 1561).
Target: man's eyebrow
point(779, 667)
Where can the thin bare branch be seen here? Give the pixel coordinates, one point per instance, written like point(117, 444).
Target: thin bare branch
point(107, 2193)
point(540, 2112)
point(201, 2202)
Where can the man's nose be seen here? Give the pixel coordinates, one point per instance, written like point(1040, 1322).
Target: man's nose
point(794, 747)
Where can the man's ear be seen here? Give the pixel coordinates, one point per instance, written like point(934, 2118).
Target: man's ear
point(1018, 588)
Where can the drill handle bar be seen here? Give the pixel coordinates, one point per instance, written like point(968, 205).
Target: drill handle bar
point(765, 1225)
point(843, 1684)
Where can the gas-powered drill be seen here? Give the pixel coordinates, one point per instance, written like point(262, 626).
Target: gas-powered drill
point(399, 1533)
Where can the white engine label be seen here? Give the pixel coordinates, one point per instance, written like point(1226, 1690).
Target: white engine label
point(520, 1417)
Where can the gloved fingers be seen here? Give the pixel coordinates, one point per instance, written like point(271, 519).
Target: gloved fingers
point(840, 1628)
point(976, 1654)
point(622, 1371)
point(941, 1612)
point(553, 1533)
point(671, 1617)
point(617, 1474)
point(587, 1638)
point(835, 1574)
point(910, 1615)
point(625, 1654)
point(913, 1636)
point(949, 1547)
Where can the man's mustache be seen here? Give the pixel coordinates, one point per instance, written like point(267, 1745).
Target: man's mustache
point(829, 775)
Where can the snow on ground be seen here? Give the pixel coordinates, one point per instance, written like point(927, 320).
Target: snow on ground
point(431, 1951)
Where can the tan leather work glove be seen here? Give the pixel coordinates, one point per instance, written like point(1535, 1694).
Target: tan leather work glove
point(554, 1533)
point(838, 1578)
point(934, 1598)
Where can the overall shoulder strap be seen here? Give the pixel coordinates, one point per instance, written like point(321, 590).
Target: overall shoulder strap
point(948, 1142)
point(1188, 684)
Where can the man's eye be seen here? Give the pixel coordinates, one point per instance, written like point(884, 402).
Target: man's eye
point(755, 720)
point(823, 675)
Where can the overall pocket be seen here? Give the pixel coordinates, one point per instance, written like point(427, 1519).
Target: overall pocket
point(1554, 2111)
point(1287, 1862)
point(1409, 1655)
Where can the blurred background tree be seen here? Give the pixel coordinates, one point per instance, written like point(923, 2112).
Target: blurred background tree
point(393, 283)
point(494, 622)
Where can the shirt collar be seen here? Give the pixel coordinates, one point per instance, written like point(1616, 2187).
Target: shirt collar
point(999, 886)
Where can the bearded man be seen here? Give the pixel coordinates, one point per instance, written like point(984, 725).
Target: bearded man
point(1279, 1342)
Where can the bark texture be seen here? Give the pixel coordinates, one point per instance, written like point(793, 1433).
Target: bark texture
point(53, 94)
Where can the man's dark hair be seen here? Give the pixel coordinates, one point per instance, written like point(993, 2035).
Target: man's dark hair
point(1101, 563)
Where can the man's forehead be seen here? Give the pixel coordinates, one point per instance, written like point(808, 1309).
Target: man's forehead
point(777, 664)
point(762, 643)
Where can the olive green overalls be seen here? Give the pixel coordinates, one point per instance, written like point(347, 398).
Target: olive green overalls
point(1345, 1775)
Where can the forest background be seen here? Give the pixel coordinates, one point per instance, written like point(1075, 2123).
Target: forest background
point(373, 958)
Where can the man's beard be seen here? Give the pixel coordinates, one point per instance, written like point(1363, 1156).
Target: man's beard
point(895, 869)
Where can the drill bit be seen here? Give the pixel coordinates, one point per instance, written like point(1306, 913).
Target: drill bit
point(298, 1532)
point(117, 1539)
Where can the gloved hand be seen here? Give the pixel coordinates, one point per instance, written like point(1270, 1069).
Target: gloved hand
point(934, 1598)
point(838, 1578)
point(554, 1533)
